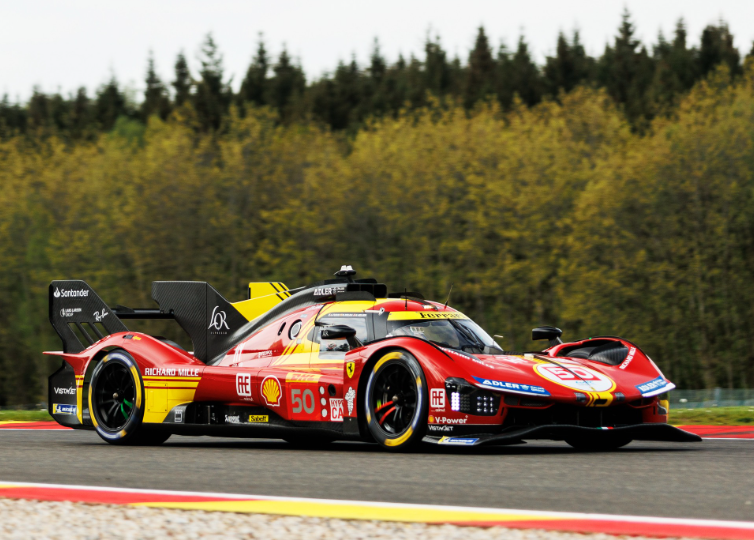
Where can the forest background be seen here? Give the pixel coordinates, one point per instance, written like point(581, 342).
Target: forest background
point(608, 195)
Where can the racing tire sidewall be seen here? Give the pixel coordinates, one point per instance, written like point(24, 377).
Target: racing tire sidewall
point(128, 433)
point(410, 437)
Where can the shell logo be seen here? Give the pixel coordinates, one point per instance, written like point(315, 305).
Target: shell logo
point(271, 391)
point(431, 419)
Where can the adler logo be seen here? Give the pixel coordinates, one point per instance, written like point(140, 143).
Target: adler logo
point(71, 293)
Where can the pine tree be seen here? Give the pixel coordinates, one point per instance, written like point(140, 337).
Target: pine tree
point(626, 71)
point(436, 68)
point(717, 48)
point(213, 95)
point(569, 67)
point(81, 116)
point(110, 104)
point(480, 79)
point(287, 85)
point(182, 83)
point(527, 81)
point(255, 86)
point(156, 100)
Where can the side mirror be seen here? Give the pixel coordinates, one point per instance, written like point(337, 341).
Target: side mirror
point(547, 332)
point(338, 331)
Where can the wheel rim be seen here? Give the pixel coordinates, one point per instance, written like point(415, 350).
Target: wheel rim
point(394, 399)
point(114, 396)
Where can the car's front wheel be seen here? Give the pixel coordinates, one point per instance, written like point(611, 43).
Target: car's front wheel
point(396, 401)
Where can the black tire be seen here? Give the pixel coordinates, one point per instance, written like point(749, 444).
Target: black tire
point(116, 399)
point(598, 444)
point(396, 401)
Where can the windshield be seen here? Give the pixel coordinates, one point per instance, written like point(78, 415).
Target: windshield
point(460, 334)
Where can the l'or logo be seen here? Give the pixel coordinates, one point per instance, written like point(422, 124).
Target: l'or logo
point(217, 321)
point(350, 368)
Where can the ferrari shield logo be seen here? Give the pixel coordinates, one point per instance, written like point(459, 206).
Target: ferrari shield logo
point(350, 368)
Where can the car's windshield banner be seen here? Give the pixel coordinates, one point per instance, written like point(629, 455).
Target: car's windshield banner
point(423, 315)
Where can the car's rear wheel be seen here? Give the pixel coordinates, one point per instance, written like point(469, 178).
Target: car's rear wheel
point(598, 444)
point(396, 401)
point(116, 402)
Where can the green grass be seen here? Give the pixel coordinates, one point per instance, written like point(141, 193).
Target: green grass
point(26, 416)
point(715, 416)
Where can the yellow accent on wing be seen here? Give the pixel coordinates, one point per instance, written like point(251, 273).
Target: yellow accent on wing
point(262, 298)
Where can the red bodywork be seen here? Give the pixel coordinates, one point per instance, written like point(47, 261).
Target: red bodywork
point(273, 375)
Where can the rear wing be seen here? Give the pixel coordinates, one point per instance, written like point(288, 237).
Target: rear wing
point(81, 317)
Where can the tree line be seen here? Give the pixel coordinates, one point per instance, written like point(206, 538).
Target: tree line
point(560, 212)
point(644, 82)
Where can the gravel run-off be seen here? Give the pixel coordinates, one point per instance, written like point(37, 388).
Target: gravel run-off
point(24, 519)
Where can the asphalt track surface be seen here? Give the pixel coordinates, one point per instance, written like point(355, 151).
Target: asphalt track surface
point(713, 479)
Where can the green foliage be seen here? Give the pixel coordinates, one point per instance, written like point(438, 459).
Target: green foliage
point(555, 214)
point(542, 197)
point(718, 416)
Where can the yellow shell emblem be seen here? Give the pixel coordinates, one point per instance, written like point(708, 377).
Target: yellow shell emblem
point(350, 368)
point(271, 391)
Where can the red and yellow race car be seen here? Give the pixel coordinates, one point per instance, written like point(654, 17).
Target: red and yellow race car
point(340, 359)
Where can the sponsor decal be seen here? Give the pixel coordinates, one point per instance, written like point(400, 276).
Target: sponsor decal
point(271, 391)
point(651, 386)
point(437, 398)
point(98, 316)
point(336, 410)
point(232, 419)
point(302, 377)
point(243, 384)
point(445, 429)
point(68, 391)
point(170, 372)
point(628, 359)
point(217, 321)
point(460, 354)
point(528, 389)
point(69, 312)
point(459, 441)
point(258, 419)
point(444, 420)
point(329, 291)
point(264, 354)
point(71, 293)
point(350, 368)
point(62, 408)
point(576, 377)
point(409, 315)
point(179, 416)
point(350, 395)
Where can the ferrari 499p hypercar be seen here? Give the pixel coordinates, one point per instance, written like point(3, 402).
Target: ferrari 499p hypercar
point(340, 359)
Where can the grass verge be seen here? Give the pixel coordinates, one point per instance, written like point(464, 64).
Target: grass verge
point(715, 416)
point(25, 416)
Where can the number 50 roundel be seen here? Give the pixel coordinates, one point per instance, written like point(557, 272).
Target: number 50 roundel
point(576, 377)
